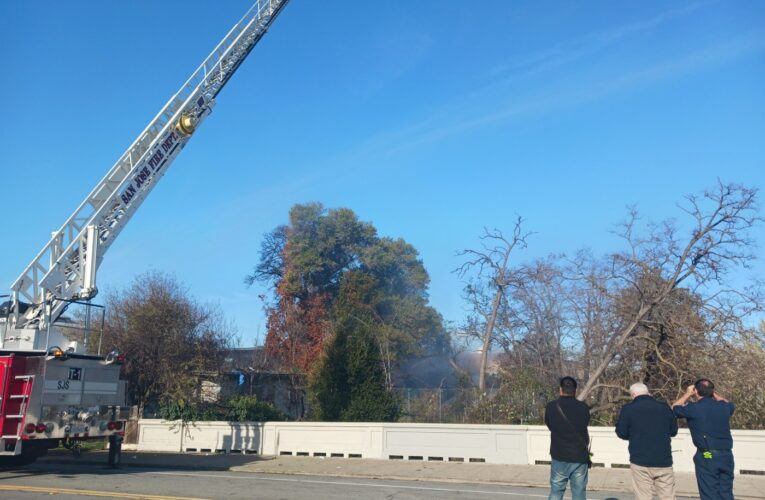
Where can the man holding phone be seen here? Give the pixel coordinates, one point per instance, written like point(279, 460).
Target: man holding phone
point(709, 422)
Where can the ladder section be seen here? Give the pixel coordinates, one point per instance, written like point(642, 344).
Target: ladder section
point(15, 393)
point(58, 271)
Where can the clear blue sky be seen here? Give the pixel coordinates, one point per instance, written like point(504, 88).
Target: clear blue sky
point(430, 119)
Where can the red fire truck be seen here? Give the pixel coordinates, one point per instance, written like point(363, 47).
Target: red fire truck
point(54, 387)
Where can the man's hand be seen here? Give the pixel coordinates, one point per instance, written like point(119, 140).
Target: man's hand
point(718, 397)
point(689, 392)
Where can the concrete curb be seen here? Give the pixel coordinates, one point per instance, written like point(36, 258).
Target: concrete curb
point(126, 464)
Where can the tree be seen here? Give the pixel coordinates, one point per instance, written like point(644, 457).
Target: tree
point(664, 312)
point(350, 383)
point(487, 289)
point(662, 261)
point(170, 342)
point(305, 263)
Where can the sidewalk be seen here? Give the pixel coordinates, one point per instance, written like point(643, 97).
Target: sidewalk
point(746, 486)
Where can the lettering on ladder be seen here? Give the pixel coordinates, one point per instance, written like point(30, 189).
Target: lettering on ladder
point(145, 174)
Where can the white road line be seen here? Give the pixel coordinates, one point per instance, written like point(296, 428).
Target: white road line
point(367, 485)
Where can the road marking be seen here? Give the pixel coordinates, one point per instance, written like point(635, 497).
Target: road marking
point(89, 493)
point(368, 485)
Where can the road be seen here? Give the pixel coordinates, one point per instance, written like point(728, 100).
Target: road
point(87, 481)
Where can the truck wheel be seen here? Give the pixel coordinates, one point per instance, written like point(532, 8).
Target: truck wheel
point(115, 451)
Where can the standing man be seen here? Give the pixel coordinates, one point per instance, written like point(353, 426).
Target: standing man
point(649, 425)
point(567, 418)
point(709, 423)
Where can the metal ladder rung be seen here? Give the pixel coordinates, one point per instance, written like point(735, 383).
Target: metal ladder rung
point(10, 436)
point(24, 377)
point(14, 416)
point(19, 396)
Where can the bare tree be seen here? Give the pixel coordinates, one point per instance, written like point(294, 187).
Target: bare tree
point(645, 277)
point(666, 311)
point(170, 342)
point(491, 277)
point(536, 324)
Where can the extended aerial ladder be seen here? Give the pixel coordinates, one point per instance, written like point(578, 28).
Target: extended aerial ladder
point(64, 271)
point(65, 268)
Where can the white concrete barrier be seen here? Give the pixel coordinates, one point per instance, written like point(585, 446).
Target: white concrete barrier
point(499, 444)
point(349, 440)
point(159, 435)
point(222, 437)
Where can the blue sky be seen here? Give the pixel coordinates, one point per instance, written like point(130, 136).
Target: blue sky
point(430, 119)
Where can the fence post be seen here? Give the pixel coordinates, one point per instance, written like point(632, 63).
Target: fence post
point(440, 406)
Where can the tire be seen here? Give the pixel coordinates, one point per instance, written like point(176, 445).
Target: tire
point(115, 451)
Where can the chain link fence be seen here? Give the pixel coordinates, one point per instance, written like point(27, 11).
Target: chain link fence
point(471, 406)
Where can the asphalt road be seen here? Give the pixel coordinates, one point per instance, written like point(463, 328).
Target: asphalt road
point(87, 481)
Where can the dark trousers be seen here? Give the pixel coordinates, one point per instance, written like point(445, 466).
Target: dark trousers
point(714, 475)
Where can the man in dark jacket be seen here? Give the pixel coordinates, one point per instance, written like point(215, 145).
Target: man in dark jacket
point(709, 423)
point(567, 418)
point(649, 425)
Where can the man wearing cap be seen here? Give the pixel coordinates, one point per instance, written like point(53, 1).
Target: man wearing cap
point(649, 426)
point(709, 422)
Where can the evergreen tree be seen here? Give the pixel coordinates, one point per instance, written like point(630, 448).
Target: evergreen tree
point(350, 383)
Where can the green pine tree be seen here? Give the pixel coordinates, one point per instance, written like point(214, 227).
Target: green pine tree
point(350, 382)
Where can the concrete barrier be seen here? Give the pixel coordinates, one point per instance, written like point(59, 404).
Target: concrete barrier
point(175, 436)
point(222, 437)
point(498, 444)
point(349, 440)
point(160, 435)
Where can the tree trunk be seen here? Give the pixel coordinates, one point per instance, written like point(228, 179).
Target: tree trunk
point(612, 351)
point(487, 338)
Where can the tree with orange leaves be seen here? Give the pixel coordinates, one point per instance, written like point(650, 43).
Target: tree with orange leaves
point(306, 264)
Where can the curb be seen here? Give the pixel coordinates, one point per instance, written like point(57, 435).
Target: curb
point(126, 464)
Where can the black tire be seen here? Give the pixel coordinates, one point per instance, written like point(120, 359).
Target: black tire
point(115, 451)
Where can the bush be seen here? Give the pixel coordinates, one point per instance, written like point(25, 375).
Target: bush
point(232, 409)
point(249, 409)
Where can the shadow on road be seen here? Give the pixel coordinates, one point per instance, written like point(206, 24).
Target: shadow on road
point(95, 462)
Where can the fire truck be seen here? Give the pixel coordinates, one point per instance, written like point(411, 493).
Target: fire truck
point(55, 387)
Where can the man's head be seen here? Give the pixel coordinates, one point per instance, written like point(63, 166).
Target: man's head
point(638, 389)
point(704, 388)
point(567, 386)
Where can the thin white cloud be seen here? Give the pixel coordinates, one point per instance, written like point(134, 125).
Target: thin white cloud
point(464, 114)
point(552, 99)
point(575, 49)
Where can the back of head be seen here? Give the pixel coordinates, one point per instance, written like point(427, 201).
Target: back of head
point(568, 386)
point(705, 388)
point(638, 389)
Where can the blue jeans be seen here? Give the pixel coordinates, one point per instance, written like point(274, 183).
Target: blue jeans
point(563, 472)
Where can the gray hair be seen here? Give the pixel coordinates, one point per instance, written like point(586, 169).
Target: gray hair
point(638, 389)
